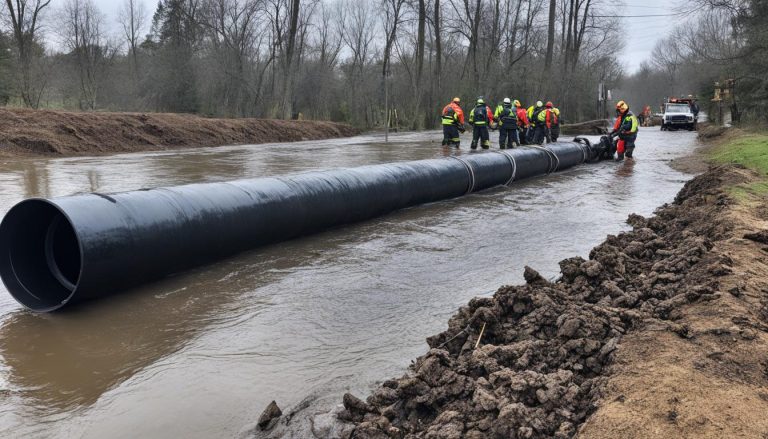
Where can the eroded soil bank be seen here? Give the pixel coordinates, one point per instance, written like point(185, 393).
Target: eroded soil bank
point(661, 333)
point(46, 132)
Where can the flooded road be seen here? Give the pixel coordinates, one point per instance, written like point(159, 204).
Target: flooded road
point(201, 354)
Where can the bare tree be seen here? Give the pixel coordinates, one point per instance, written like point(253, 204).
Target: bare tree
point(550, 35)
point(81, 31)
point(132, 18)
point(232, 27)
point(25, 18)
point(667, 56)
point(329, 40)
point(437, 25)
point(289, 59)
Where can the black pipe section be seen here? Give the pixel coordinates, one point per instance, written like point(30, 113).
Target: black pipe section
point(70, 249)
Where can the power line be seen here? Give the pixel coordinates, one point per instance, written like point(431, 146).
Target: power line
point(674, 14)
point(638, 16)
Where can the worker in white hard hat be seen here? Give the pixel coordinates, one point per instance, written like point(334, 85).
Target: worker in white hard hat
point(533, 114)
point(507, 123)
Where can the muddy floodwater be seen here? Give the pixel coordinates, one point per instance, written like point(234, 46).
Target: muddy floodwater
point(199, 355)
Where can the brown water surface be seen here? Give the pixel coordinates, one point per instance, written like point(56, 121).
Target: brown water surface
point(200, 354)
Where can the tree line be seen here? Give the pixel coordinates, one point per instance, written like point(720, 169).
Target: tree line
point(722, 40)
point(357, 61)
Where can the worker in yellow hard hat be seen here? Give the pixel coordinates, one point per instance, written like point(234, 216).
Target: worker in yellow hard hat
point(625, 128)
point(522, 121)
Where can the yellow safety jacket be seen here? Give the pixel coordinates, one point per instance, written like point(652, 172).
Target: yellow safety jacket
point(505, 114)
point(450, 118)
point(628, 126)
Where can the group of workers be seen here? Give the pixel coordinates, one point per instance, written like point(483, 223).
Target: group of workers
point(516, 125)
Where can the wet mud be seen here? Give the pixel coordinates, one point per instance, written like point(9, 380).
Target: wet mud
point(533, 360)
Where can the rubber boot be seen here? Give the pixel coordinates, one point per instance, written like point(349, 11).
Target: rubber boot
point(473, 145)
point(630, 150)
point(620, 157)
point(502, 146)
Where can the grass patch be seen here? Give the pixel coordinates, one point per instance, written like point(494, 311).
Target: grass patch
point(748, 193)
point(751, 151)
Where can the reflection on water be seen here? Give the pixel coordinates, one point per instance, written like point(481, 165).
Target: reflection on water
point(64, 361)
point(200, 354)
point(625, 170)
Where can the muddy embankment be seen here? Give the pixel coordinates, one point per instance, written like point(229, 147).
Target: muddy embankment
point(45, 132)
point(662, 333)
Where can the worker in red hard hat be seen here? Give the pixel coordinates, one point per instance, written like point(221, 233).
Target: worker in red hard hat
point(452, 119)
point(625, 128)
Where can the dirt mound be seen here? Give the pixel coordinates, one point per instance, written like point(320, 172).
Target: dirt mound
point(541, 366)
point(45, 132)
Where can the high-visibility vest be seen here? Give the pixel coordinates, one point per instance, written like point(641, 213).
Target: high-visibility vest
point(449, 116)
point(479, 116)
point(534, 117)
point(627, 120)
point(546, 117)
point(505, 115)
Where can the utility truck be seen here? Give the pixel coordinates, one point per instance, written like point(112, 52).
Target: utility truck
point(678, 114)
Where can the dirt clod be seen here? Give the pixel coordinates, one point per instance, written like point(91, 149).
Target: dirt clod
point(269, 416)
point(549, 347)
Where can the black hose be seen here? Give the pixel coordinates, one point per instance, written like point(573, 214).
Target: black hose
point(70, 249)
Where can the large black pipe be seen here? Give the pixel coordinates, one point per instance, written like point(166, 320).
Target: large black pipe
point(65, 250)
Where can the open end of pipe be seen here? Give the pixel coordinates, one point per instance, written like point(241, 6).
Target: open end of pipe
point(41, 257)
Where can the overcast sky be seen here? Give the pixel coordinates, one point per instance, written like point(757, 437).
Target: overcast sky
point(640, 33)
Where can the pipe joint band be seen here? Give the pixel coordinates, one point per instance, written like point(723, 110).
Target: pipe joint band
point(470, 172)
point(512, 161)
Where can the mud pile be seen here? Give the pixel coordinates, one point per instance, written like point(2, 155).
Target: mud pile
point(541, 364)
point(45, 132)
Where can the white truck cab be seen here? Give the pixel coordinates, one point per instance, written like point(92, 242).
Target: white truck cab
point(678, 115)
